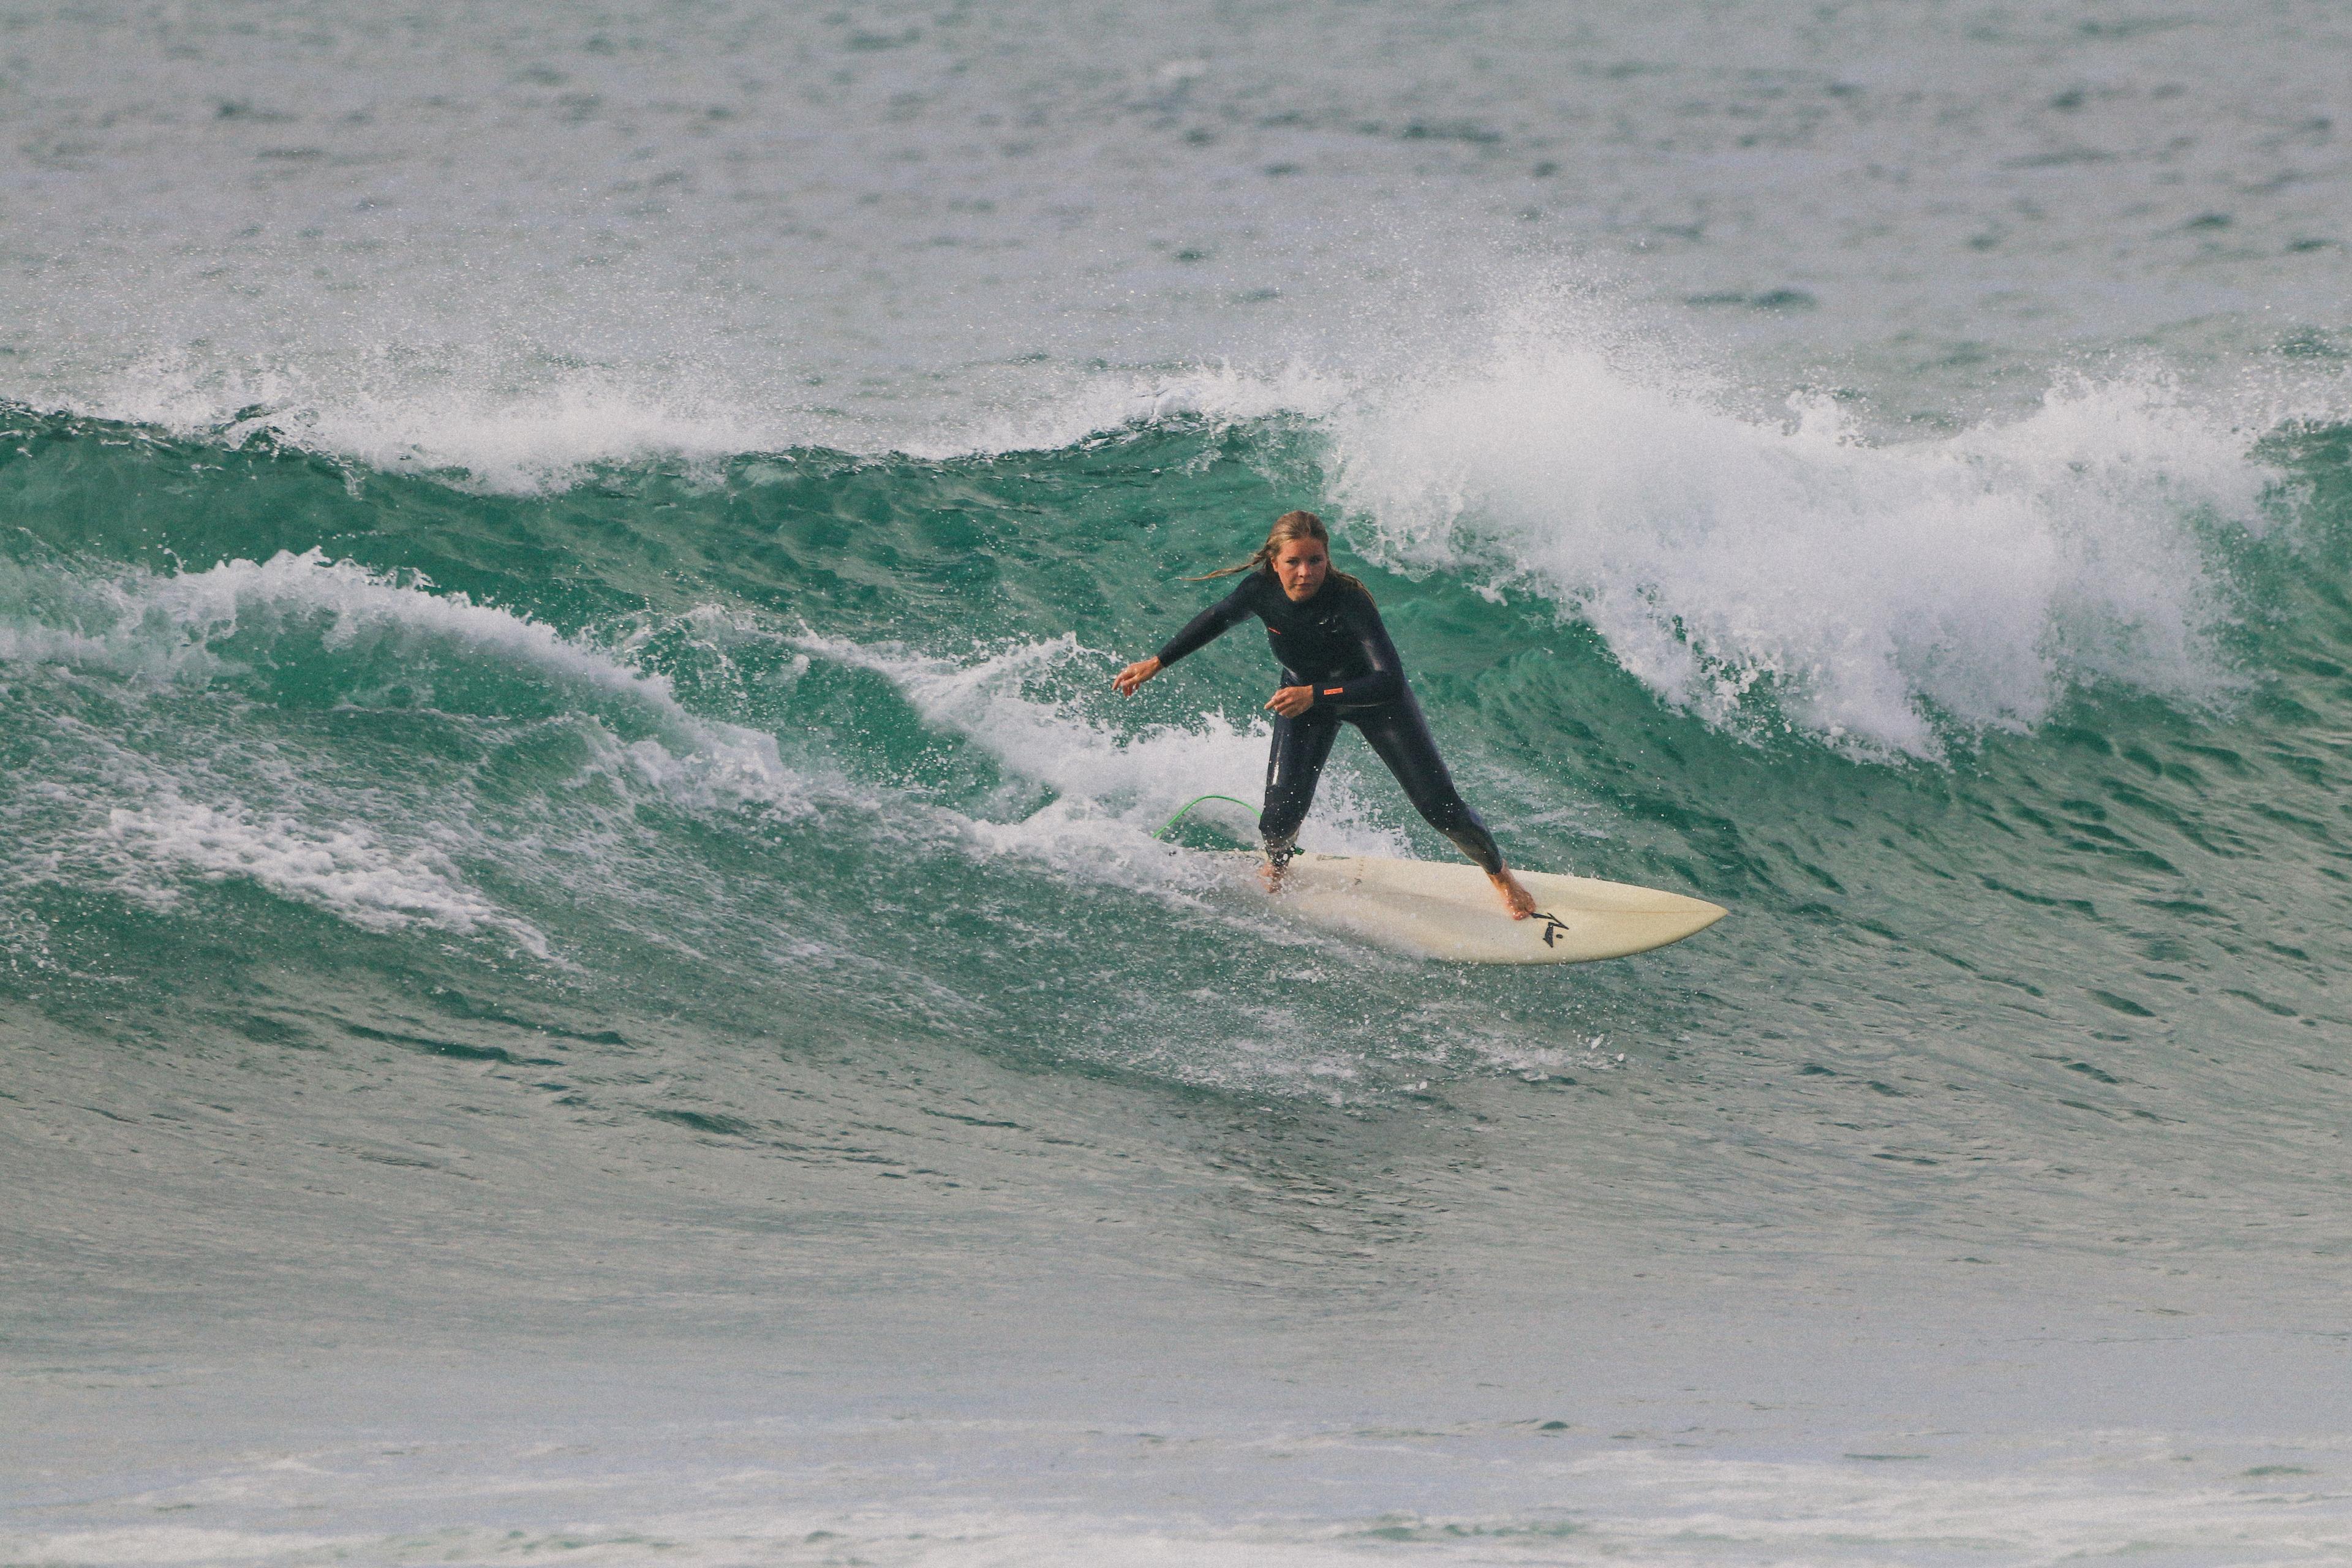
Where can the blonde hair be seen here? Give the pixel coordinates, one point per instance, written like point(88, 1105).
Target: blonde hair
point(1290, 525)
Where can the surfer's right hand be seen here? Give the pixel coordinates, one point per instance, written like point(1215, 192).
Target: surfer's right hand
point(1135, 675)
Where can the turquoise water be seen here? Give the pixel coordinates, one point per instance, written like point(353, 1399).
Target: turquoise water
point(584, 966)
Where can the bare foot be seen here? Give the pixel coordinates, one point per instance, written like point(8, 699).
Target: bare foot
point(1516, 899)
point(1271, 874)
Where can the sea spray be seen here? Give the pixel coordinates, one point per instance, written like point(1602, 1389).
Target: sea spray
point(1875, 590)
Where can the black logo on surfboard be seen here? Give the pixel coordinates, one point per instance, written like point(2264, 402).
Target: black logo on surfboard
point(1554, 928)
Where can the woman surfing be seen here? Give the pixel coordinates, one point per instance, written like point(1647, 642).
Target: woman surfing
point(1338, 667)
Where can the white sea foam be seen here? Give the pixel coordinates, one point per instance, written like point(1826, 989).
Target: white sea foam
point(547, 434)
point(1875, 588)
point(180, 625)
point(550, 432)
point(348, 869)
point(265, 814)
point(170, 623)
point(1223, 394)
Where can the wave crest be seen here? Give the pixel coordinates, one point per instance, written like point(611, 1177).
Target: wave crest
point(1879, 593)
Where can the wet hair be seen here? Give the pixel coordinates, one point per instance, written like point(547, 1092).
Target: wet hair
point(1290, 525)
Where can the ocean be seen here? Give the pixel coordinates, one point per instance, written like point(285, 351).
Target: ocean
point(587, 971)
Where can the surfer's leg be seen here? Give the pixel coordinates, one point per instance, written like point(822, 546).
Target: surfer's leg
point(1295, 763)
point(1398, 732)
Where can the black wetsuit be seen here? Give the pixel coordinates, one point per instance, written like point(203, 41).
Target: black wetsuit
point(1336, 644)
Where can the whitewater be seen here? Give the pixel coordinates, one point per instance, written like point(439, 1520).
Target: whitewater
point(588, 963)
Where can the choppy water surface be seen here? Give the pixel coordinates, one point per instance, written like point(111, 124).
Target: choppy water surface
point(584, 963)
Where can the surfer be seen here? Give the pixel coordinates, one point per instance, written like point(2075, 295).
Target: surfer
point(1338, 667)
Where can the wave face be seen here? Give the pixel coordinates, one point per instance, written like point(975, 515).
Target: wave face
point(2045, 701)
point(709, 844)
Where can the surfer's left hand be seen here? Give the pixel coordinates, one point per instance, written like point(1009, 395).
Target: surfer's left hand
point(1292, 700)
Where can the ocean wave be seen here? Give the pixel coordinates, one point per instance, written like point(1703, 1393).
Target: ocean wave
point(552, 430)
point(1791, 572)
point(480, 430)
point(1881, 595)
point(202, 626)
point(502, 746)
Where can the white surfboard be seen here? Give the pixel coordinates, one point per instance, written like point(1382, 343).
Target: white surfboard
point(1433, 909)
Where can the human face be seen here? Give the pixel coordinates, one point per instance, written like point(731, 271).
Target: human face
point(1300, 566)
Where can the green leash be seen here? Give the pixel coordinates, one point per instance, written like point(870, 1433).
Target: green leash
point(1169, 826)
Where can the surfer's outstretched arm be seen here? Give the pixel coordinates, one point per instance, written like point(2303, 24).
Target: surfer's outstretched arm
point(1199, 631)
point(1208, 626)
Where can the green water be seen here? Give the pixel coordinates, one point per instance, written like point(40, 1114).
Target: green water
point(751, 856)
point(653, 734)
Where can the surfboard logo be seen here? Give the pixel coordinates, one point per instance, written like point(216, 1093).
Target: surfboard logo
point(1554, 928)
